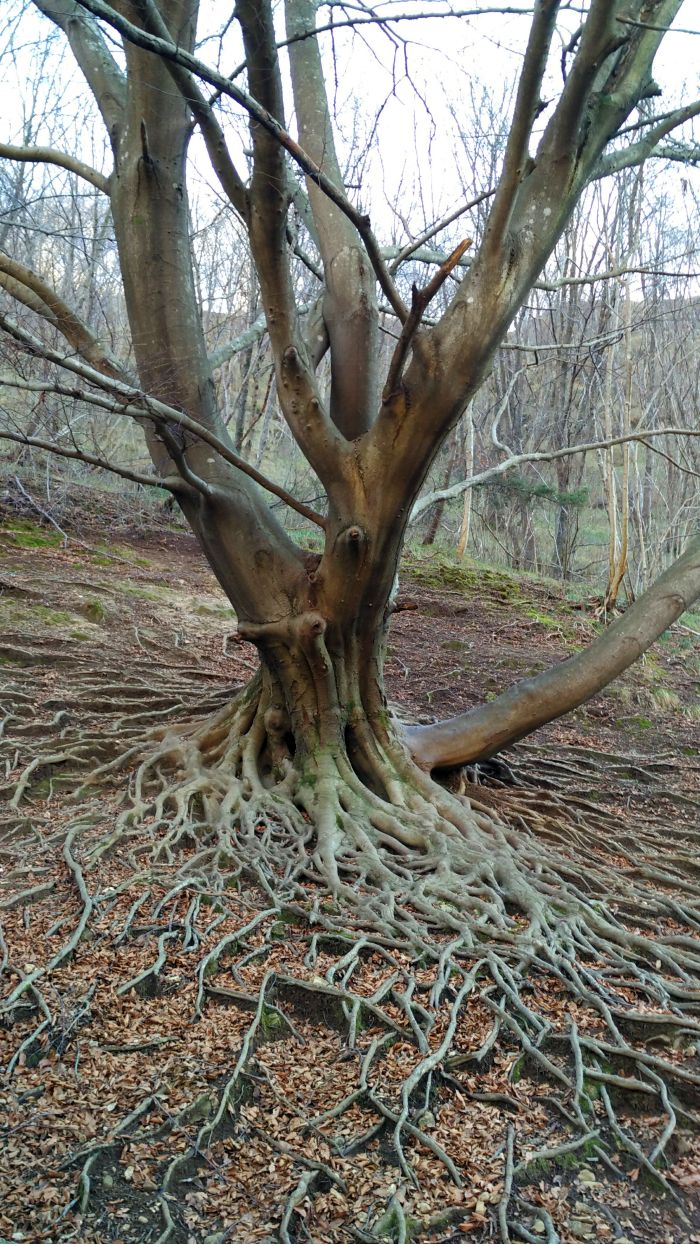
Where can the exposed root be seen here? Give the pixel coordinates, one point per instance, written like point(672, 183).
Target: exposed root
point(403, 915)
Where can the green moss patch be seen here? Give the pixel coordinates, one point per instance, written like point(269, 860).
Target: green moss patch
point(27, 535)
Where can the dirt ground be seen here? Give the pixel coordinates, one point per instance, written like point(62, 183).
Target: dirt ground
point(111, 1067)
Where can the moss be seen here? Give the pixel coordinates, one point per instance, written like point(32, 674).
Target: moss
point(94, 610)
point(517, 1069)
point(218, 609)
point(544, 619)
point(389, 1227)
point(359, 1022)
point(290, 918)
point(146, 593)
point(28, 535)
point(54, 617)
point(124, 552)
point(43, 788)
point(591, 1089)
point(439, 570)
point(271, 1021)
point(25, 613)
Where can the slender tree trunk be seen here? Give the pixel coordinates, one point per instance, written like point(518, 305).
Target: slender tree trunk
point(439, 507)
point(469, 468)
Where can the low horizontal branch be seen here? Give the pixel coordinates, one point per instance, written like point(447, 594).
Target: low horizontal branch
point(535, 701)
point(542, 455)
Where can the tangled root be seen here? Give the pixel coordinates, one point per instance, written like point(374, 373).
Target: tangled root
point(480, 903)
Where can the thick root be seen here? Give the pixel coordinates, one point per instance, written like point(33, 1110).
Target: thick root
point(409, 920)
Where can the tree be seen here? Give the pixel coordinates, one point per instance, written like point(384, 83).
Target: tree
point(310, 747)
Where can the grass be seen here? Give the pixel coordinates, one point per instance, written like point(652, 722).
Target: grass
point(23, 613)
point(28, 535)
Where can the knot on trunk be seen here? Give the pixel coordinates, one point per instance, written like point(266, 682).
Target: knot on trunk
point(353, 540)
point(294, 630)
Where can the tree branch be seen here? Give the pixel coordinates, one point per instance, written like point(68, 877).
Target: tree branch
point(648, 146)
point(134, 403)
point(45, 301)
point(527, 107)
point(319, 439)
point(419, 303)
point(544, 455)
point(489, 728)
point(666, 30)
point(215, 142)
point(100, 70)
point(168, 51)
point(47, 155)
point(171, 484)
point(349, 302)
point(409, 250)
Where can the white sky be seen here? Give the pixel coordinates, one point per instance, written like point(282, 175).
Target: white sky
point(410, 146)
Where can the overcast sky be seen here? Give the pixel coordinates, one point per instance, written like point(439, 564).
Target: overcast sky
point(413, 157)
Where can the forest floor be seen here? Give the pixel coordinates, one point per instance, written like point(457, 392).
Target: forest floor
point(111, 1066)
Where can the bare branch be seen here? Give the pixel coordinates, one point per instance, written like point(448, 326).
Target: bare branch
point(612, 274)
point(643, 435)
point(420, 301)
point(101, 72)
point(253, 333)
point(666, 30)
point(522, 708)
point(527, 107)
point(648, 146)
point(217, 148)
point(169, 52)
point(409, 251)
point(45, 301)
point(242, 341)
point(349, 302)
point(133, 402)
point(387, 19)
point(47, 155)
point(171, 484)
point(301, 404)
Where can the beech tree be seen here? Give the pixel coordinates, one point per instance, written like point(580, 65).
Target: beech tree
point(304, 786)
point(310, 746)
